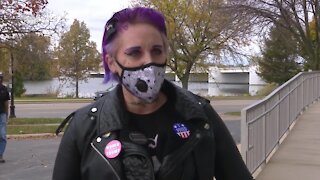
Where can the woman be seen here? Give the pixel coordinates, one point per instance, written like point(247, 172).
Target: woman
point(146, 128)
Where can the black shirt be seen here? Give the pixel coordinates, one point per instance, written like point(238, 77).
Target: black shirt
point(4, 96)
point(165, 129)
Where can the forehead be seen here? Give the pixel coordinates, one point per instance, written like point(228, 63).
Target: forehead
point(139, 34)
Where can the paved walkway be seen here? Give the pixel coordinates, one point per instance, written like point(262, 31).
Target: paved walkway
point(29, 159)
point(298, 157)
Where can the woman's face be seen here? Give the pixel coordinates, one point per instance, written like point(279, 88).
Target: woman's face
point(137, 45)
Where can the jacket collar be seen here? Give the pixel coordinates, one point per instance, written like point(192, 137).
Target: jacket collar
point(189, 105)
point(113, 116)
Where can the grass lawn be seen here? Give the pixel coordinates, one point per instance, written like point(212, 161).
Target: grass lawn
point(51, 100)
point(233, 113)
point(26, 121)
point(234, 97)
point(31, 129)
point(33, 125)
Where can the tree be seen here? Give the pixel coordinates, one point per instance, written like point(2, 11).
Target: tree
point(21, 17)
point(19, 6)
point(295, 16)
point(197, 29)
point(279, 61)
point(25, 16)
point(4, 62)
point(19, 86)
point(33, 57)
point(77, 55)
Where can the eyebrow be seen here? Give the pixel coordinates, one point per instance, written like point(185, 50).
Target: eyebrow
point(157, 46)
point(134, 48)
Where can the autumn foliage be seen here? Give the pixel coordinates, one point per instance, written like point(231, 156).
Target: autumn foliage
point(22, 6)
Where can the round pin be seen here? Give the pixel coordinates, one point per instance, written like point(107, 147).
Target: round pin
point(112, 149)
point(94, 110)
point(181, 130)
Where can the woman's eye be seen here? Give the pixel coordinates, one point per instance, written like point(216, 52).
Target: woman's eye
point(134, 53)
point(157, 51)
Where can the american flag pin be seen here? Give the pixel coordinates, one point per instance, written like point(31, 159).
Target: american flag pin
point(181, 130)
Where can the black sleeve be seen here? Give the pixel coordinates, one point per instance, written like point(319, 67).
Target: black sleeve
point(228, 162)
point(67, 164)
point(7, 95)
point(4, 96)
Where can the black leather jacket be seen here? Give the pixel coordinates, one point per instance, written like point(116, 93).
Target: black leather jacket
point(209, 152)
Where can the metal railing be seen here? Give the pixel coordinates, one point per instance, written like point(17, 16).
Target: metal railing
point(266, 122)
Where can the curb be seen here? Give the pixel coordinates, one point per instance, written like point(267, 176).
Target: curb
point(33, 136)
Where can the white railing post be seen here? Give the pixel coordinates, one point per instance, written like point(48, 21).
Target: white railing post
point(244, 135)
point(303, 89)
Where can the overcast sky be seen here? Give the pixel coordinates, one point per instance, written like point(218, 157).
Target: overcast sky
point(94, 13)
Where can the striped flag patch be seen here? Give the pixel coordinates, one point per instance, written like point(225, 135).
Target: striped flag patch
point(181, 130)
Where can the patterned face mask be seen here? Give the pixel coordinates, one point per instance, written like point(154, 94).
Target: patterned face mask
point(144, 81)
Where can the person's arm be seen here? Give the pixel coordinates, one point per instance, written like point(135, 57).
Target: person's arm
point(67, 164)
point(6, 108)
point(228, 162)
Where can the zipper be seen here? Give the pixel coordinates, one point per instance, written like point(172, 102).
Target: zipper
point(105, 159)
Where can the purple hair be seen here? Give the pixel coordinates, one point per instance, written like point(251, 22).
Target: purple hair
point(131, 16)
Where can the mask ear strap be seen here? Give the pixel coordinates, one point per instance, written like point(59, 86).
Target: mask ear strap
point(122, 68)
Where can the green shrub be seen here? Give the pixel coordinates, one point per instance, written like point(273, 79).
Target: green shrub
point(267, 89)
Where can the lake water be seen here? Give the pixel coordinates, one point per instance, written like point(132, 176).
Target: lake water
point(87, 89)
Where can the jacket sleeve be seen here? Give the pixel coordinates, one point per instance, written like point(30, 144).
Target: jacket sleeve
point(67, 164)
point(228, 161)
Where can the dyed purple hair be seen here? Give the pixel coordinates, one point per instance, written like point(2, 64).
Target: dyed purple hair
point(131, 16)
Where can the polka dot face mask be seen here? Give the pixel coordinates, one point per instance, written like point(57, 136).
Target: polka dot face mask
point(145, 81)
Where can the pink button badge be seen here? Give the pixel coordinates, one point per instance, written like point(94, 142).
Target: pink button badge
point(112, 149)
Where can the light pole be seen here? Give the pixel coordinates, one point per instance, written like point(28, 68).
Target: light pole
point(12, 107)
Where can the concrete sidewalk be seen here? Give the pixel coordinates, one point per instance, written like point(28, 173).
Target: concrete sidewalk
point(298, 157)
point(29, 159)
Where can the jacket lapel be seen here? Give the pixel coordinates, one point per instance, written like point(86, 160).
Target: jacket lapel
point(99, 144)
